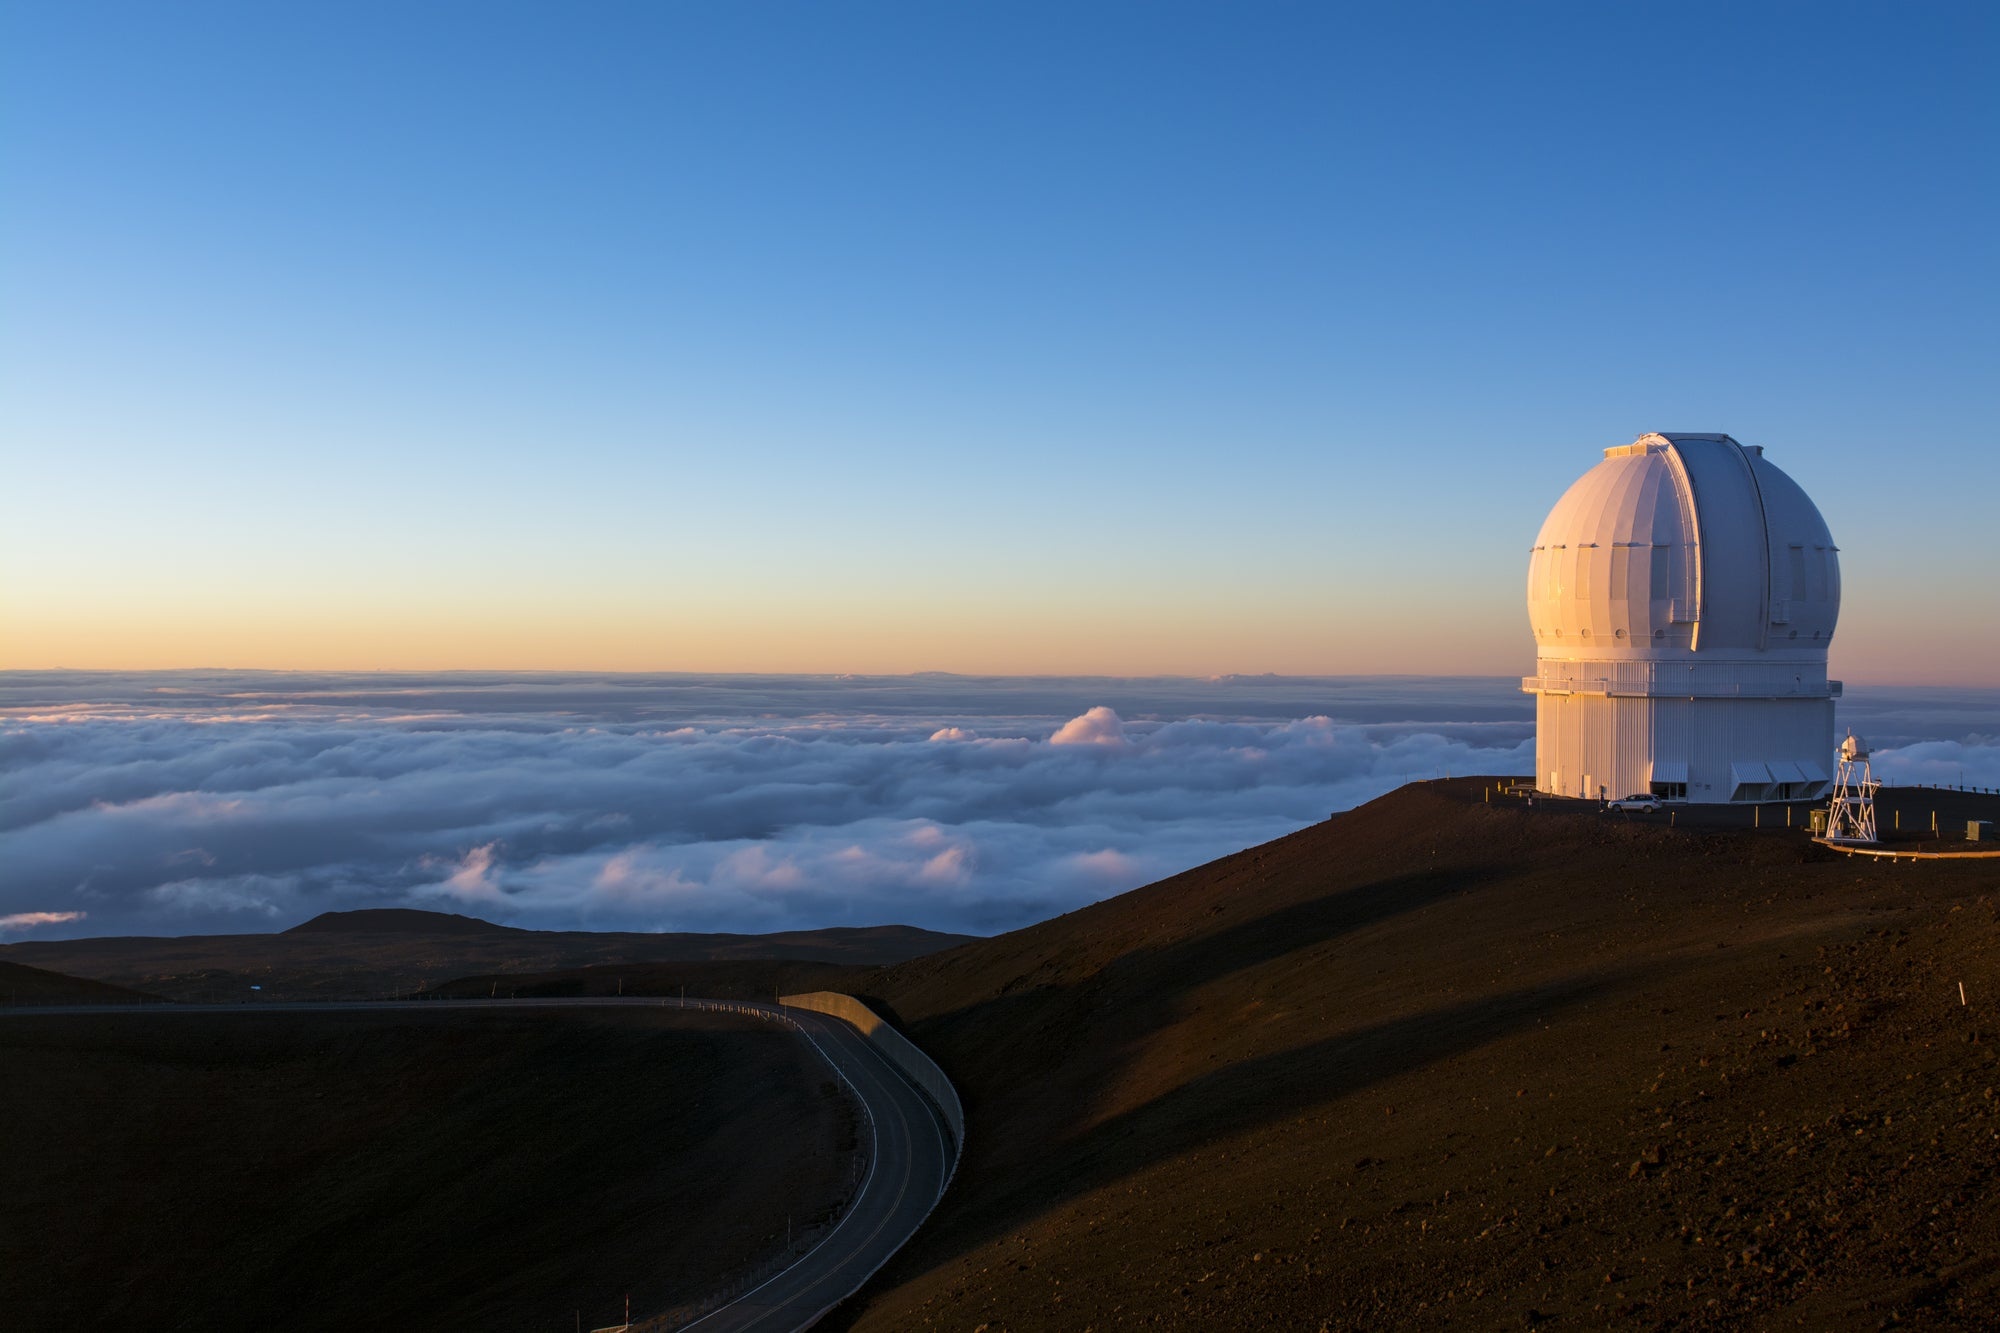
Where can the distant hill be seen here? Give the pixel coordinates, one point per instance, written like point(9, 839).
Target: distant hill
point(390, 951)
point(20, 984)
point(1438, 1062)
point(397, 921)
point(737, 979)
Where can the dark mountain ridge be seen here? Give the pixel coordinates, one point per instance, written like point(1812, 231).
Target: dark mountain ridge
point(397, 921)
point(391, 951)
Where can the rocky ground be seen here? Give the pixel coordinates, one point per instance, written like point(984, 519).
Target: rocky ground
point(1443, 1063)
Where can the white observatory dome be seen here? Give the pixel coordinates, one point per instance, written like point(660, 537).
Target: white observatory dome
point(1682, 594)
point(1679, 544)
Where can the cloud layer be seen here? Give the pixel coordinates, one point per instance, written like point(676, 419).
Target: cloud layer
point(173, 804)
point(180, 803)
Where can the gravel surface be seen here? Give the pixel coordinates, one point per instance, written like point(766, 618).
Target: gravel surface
point(1439, 1062)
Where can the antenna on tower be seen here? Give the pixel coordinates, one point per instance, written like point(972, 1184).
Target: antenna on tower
point(1850, 816)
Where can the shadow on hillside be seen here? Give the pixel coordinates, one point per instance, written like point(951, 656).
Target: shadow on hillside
point(1131, 997)
point(1238, 948)
point(1169, 971)
point(1250, 1095)
point(1075, 1032)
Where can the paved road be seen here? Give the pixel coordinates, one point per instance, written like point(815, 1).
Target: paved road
point(909, 1163)
point(909, 1157)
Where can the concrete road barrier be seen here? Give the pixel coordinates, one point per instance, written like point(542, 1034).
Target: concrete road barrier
point(919, 1068)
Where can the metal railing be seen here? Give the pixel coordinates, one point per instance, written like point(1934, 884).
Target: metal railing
point(817, 1228)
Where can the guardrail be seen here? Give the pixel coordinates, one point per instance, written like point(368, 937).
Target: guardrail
point(799, 1243)
point(919, 1068)
point(1894, 855)
point(903, 1054)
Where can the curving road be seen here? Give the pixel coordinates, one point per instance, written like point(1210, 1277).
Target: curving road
point(909, 1160)
point(909, 1165)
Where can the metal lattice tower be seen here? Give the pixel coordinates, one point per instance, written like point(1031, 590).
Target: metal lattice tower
point(1851, 815)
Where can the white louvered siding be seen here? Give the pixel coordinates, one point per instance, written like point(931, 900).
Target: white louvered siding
point(1625, 744)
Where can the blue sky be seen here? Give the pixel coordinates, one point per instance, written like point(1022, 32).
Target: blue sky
point(996, 338)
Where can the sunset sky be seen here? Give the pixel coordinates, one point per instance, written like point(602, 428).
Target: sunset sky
point(1112, 339)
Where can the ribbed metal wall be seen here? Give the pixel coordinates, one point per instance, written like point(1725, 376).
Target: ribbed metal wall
point(1588, 742)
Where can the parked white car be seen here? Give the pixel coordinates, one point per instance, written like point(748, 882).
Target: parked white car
point(1642, 802)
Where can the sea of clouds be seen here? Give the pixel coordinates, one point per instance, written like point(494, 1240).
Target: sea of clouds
point(176, 803)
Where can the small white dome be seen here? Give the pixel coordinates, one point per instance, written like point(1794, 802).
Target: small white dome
point(1678, 545)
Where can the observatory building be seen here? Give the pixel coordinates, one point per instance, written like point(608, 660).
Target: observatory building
point(1683, 593)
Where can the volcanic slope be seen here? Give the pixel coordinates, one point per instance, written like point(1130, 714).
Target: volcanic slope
point(1438, 1061)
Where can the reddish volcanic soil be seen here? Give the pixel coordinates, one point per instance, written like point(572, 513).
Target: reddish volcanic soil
point(398, 1170)
point(1438, 1062)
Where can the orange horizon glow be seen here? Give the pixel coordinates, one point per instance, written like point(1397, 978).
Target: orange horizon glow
point(1187, 642)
